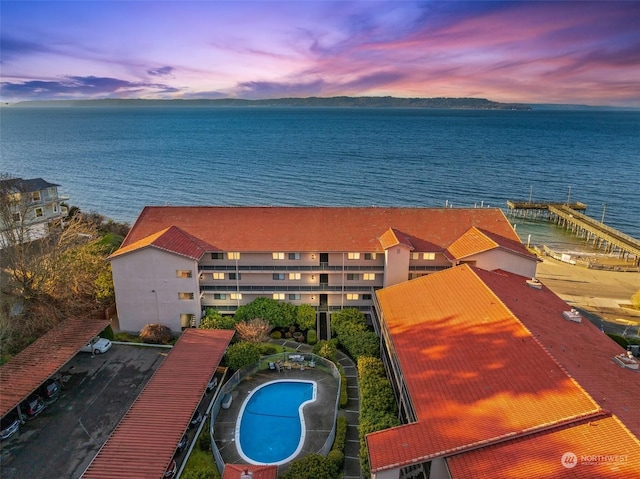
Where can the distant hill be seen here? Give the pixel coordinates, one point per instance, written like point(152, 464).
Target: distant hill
point(333, 102)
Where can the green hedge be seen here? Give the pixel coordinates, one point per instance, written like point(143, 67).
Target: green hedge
point(312, 466)
point(312, 337)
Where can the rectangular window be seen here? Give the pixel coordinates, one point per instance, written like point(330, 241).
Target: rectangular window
point(294, 276)
point(184, 273)
point(369, 276)
point(236, 295)
point(217, 255)
point(237, 276)
point(278, 276)
point(294, 297)
point(218, 275)
point(429, 256)
point(39, 212)
point(415, 255)
point(353, 276)
point(277, 256)
point(278, 296)
point(233, 255)
point(353, 255)
point(370, 256)
point(219, 296)
point(55, 208)
point(352, 296)
point(16, 217)
point(51, 192)
point(185, 295)
point(366, 297)
point(294, 255)
point(35, 196)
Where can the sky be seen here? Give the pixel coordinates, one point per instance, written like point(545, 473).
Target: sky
point(508, 51)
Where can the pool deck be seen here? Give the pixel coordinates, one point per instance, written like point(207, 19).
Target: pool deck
point(318, 421)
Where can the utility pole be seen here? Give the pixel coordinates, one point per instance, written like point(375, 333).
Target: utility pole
point(569, 197)
point(604, 208)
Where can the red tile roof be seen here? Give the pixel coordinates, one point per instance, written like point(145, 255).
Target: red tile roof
point(233, 471)
point(144, 443)
point(327, 229)
point(393, 237)
point(603, 449)
point(476, 240)
point(581, 348)
point(473, 371)
point(27, 370)
point(170, 239)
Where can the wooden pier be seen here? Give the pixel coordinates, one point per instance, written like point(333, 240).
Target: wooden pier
point(569, 216)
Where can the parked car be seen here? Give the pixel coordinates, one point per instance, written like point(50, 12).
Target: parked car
point(196, 419)
point(9, 425)
point(32, 406)
point(96, 346)
point(171, 470)
point(50, 390)
point(183, 442)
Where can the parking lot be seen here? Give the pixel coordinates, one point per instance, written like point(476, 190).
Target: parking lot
point(96, 392)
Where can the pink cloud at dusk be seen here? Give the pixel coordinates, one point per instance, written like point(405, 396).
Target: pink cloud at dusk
point(531, 52)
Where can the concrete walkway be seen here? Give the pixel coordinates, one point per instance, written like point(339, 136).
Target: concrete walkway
point(351, 469)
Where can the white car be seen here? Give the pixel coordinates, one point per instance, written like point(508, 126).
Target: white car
point(96, 346)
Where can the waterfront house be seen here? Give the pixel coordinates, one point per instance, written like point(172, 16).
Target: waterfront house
point(30, 206)
point(178, 261)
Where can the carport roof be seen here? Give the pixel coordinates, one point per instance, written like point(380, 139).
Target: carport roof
point(145, 441)
point(35, 364)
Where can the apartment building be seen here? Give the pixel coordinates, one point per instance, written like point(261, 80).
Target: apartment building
point(31, 205)
point(178, 261)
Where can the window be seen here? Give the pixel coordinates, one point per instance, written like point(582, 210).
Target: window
point(55, 207)
point(16, 217)
point(369, 276)
point(278, 296)
point(218, 275)
point(52, 191)
point(352, 296)
point(236, 295)
point(277, 255)
point(353, 255)
point(219, 296)
point(294, 297)
point(294, 276)
point(237, 276)
point(233, 255)
point(294, 255)
point(278, 276)
point(370, 256)
point(366, 297)
point(39, 212)
point(35, 196)
point(427, 256)
point(353, 276)
point(217, 255)
point(188, 320)
point(184, 273)
point(185, 295)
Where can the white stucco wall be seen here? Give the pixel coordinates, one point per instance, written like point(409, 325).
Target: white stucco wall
point(439, 469)
point(146, 287)
point(396, 265)
point(505, 260)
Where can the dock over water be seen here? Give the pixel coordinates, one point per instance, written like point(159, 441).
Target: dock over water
point(571, 217)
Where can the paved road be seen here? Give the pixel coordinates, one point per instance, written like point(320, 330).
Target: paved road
point(96, 393)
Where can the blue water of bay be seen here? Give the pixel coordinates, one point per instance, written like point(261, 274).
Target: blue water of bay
point(116, 160)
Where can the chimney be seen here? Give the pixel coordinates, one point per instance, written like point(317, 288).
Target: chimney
point(246, 474)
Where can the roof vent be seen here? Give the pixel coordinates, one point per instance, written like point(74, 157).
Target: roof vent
point(534, 283)
point(572, 315)
point(246, 474)
point(626, 360)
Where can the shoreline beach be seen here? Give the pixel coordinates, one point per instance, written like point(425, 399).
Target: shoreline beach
point(598, 293)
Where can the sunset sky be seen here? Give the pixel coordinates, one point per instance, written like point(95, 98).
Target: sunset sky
point(531, 52)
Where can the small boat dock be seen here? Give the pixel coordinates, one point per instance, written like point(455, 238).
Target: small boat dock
point(571, 217)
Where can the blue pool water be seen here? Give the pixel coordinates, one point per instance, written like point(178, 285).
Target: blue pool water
point(270, 427)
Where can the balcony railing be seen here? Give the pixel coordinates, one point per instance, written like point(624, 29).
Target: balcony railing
point(267, 268)
point(205, 288)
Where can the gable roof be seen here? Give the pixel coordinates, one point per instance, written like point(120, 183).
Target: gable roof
point(171, 239)
point(327, 229)
point(476, 240)
point(19, 185)
point(474, 373)
point(581, 348)
point(393, 237)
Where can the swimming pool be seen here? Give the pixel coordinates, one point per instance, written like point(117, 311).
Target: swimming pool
point(270, 428)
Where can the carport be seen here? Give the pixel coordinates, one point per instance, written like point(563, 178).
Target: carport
point(144, 442)
point(31, 367)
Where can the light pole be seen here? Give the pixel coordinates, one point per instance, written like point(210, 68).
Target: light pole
point(157, 308)
point(604, 208)
point(530, 194)
point(569, 197)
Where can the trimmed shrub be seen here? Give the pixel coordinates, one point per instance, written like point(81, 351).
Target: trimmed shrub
point(276, 335)
point(305, 317)
point(108, 333)
point(341, 434)
point(267, 349)
point(312, 466)
point(326, 349)
point(337, 457)
point(344, 391)
point(242, 354)
point(312, 337)
point(215, 320)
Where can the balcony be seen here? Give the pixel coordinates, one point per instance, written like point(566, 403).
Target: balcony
point(271, 268)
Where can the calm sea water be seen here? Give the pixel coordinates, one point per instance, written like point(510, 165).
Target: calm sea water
point(117, 160)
